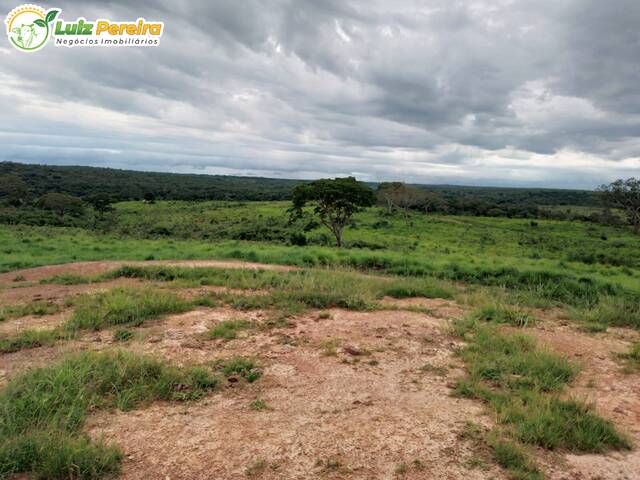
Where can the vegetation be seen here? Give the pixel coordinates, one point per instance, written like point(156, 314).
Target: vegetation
point(42, 411)
point(523, 384)
point(84, 182)
point(633, 357)
point(625, 195)
point(335, 202)
point(122, 306)
point(228, 329)
point(37, 308)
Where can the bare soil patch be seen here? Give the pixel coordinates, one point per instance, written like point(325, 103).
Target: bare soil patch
point(361, 411)
point(357, 395)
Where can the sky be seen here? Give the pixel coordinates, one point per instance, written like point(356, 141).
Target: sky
point(535, 93)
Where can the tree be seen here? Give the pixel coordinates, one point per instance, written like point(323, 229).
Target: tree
point(335, 201)
point(13, 189)
point(624, 194)
point(61, 203)
point(101, 202)
point(396, 195)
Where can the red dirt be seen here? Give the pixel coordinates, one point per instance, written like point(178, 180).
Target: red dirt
point(347, 396)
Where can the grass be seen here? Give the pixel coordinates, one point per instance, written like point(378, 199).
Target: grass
point(31, 339)
point(632, 357)
point(38, 308)
point(123, 335)
point(228, 329)
point(116, 307)
point(512, 457)
point(557, 260)
point(294, 291)
point(245, 368)
point(523, 384)
point(506, 452)
point(65, 279)
point(611, 311)
point(123, 306)
point(498, 313)
point(258, 405)
point(42, 411)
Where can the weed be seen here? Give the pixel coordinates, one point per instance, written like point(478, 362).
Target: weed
point(256, 468)
point(242, 367)
point(632, 357)
point(258, 405)
point(122, 335)
point(496, 313)
point(401, 469)
point(513, 458)
point(330, 347)
point(228, 329)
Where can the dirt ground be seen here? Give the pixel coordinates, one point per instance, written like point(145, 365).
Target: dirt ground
point(358, 395)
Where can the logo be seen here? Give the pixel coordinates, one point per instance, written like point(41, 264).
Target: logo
point(29, 28)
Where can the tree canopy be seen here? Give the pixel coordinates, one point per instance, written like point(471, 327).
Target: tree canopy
point(335, 201)
point(624, 194)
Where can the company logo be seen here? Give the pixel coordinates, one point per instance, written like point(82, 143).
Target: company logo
point(29, 28)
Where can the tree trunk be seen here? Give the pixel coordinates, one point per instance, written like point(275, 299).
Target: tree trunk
point(338, 233)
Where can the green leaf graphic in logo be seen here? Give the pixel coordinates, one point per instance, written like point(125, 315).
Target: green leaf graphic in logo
point(51, 15)
point(40, 23)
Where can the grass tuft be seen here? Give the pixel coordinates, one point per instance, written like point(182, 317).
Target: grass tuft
point(123, 306)
point(522, 383)
point(42, 411)
point(228, 329)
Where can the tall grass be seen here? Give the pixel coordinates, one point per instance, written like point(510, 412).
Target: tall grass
point(42, 411)
point(123, 306)
point(614, 311)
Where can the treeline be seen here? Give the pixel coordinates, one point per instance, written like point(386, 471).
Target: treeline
point(121, 185)
point(494, 202)
point(76, 196)
point(501, 196)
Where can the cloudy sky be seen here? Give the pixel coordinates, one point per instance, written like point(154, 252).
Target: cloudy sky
point(475, 92)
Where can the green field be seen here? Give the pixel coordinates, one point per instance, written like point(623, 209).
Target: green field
point(413, 243)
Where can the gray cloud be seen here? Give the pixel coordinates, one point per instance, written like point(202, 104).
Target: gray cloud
point(504, 92)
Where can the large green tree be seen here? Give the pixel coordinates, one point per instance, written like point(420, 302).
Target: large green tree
point(13, 189)
point(334, 201)
point(61, 203)
point(624, 194)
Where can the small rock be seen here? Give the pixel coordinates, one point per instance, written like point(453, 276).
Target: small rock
point(352, 351)
point(233, 379)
